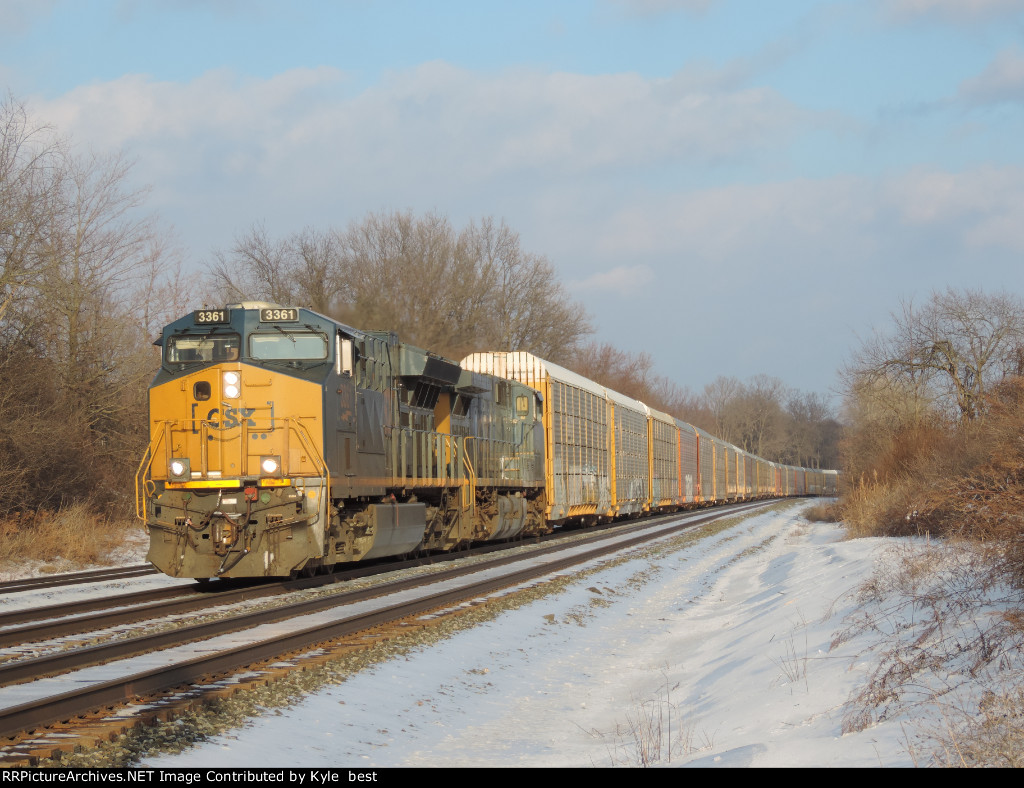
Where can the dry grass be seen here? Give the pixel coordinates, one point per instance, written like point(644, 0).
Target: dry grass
point(967, 482)
point(655, 731)
point(63, 540)
point(993, 736)
point(824, 513)
point(947, 637)
point(873, 508)
point(947, 617)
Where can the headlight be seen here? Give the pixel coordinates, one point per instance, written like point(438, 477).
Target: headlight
point(180, 468)
point(231, 384)
point(271, 466)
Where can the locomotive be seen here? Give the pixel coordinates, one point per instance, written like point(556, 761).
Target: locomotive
point(283, 442)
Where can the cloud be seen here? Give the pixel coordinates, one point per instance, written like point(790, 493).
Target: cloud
point(136, 109)
point(605, 175)
point(589, 169)
point(307, 147)
point(622, 279)
point(952, 11)
point(1001, 81)
point(803, 222)
point(433, 122)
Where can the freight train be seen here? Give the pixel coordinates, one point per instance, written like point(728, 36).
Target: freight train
point(283, 442)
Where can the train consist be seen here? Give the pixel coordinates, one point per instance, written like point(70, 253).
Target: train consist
point(283, 442)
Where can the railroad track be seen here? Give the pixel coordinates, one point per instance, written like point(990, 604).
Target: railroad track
point(248, 638)
point(76, 578)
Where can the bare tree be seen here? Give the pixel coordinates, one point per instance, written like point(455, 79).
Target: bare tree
point(31, 174)
point(78, 256)
point(97, 252)
point(413, 276)
point(812, 431)
point(305, 268)
point(627, 373)
point(947, 353)
point(719, 395)
point(760, 417)
point(447, 290)
point(528, 306)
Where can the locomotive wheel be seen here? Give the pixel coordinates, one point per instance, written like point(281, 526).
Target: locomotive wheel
point(312, 568)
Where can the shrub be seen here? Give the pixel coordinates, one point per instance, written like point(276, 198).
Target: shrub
point(66, 538)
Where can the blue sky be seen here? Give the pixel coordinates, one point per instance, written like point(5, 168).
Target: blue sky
point(735, 186)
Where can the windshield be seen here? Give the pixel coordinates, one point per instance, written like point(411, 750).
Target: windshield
point(288, 345)
point(202, 347)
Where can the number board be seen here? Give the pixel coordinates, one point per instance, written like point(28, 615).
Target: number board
point(204, 316)
point(279, 315)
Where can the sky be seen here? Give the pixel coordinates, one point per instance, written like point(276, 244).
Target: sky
point(733, 186)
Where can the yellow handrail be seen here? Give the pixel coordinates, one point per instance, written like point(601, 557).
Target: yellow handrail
point(468, 489)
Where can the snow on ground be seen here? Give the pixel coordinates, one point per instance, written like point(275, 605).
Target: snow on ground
point(725, 643)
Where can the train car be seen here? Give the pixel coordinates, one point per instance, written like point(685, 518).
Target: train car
point(707, 459)
point(765, 478)
point(800, 475)
point(632, 466)
point(689, 464)
point(663, 439)
point(580, 461)
point(720, 449)
point(282, 441)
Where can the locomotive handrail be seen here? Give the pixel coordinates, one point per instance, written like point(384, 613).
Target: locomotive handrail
point(140, 478)
point(468, 489)
point(424, 456)
point(434, 455)
point(307, 441)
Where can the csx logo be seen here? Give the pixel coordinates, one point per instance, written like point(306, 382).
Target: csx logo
point(227, 418)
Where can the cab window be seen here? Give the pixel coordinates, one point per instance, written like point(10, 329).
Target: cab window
point(289, 345)
point(202, 347)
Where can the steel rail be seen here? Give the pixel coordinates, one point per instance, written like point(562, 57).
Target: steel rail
point(54, 620)
point(75, 578)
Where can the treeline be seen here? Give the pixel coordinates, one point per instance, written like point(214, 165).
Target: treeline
point(934, 421)
point(85, 283)
point(447, 290)
point(87, 279)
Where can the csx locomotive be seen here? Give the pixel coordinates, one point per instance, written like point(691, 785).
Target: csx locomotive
point(283, 442)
